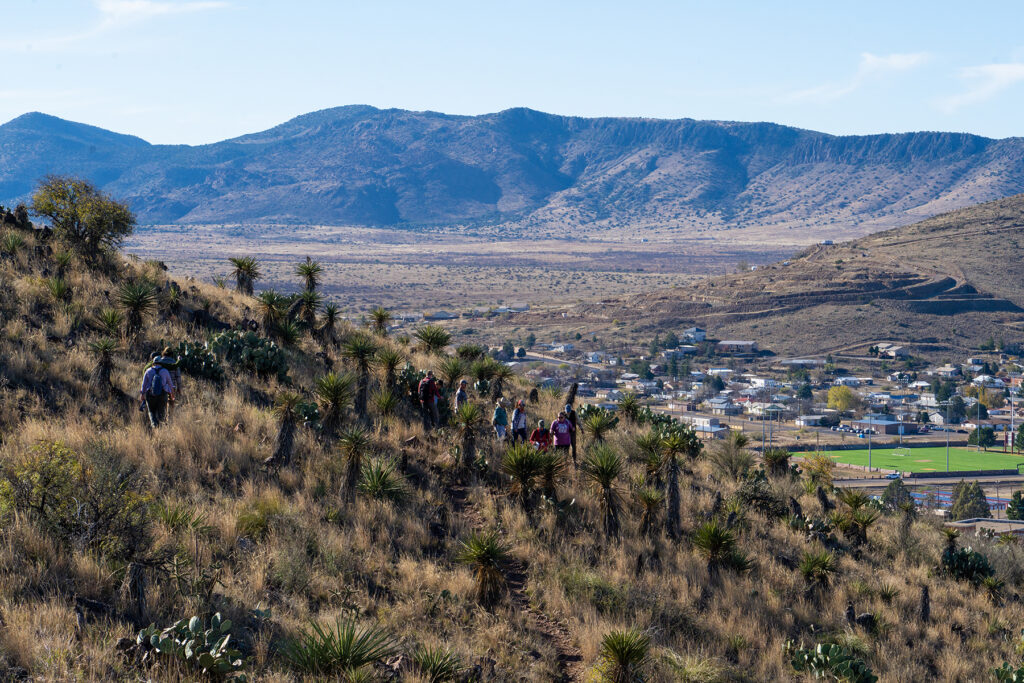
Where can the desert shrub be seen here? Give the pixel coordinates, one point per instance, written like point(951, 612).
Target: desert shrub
point(257, 515)
point(197, 360)
point(584, 586)
point(251, 352)
point(93, 501)
point(382, 481)
point(437, 664)
point(343, 648)
point(205, 650)
point(966, 564)
point(829, 661)
point(757, 493)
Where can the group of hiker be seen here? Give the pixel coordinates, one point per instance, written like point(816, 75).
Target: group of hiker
point(561, 434)
point(161, 381)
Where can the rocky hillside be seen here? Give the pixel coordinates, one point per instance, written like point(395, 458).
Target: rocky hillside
point(944, 284)
point(522, 169)
point(293, 520)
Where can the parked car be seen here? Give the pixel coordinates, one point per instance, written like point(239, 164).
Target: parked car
point(894, 475)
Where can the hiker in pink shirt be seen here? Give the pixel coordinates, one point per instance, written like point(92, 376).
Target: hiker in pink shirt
point(561, 431)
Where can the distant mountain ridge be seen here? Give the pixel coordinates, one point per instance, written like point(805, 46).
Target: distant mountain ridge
point(522, 169)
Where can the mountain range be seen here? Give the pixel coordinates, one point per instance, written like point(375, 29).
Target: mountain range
point(523, 170)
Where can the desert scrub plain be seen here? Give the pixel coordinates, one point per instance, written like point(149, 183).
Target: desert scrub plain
point(294, 503)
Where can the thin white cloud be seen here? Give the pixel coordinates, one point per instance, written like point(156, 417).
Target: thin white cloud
point(113, 14)
point(121, 10)
point(984, 83)
point(871, 67)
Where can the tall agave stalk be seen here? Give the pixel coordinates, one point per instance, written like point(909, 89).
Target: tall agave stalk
point(100, 378)
point(286, 409)
point(468, 419)
point(355, 445)
point(246, 271)
point(361, 349)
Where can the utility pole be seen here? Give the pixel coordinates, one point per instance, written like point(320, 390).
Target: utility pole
point(947, 435)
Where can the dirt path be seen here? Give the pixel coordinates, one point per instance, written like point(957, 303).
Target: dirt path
point(569, 657)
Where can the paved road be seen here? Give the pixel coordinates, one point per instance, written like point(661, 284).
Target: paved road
point(876, 482)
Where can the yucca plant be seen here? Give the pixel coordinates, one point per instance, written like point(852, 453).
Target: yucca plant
point(63, 259)
point(58, 288)
point(776, 461)
point(437, 664)
point(344, 648)
point(650, 501)
point(624, 657)
point(486, 555)
point(629, 406)
point(100, 378)
point(468, 419)
point(110, 321)
point(355, 445)
point(388, 360)
point(385, 401)
point(309, 305)
point(271, 307)
point(327, 333)
point(673, 446)
point(482, 371)
point(246, 271)
point(731, 456)
point(310, 272)
point(470, 352)
point(288, 333)
point(286, 410)
point(334, 394)
point(172, 299)
point(598, 424)
point(552, 469)
point(522, 464)
point(451, 369)
point(382, 481)
point(137, 299)
point(818, 569)
point(380, 318)
point(717, 545)
point(360, 348)
point(601, 468)
point(12, 243)
point(432, 338)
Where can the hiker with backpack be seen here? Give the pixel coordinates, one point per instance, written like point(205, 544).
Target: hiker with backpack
point(427, 394)
point(499, 420)
point(519, 423)
point(570, 413)
point(157, 389)
point(541, 437)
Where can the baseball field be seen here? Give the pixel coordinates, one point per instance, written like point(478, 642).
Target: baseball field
point(929, 459)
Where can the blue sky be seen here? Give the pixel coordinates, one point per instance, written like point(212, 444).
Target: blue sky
point(194, 71)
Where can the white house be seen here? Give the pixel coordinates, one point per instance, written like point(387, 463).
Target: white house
point(596, 356)
point(809, 420)
point(695, 334)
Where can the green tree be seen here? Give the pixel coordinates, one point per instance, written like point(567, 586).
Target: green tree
point(896, 495)
point(804, 393)
point(81, 215)
point(1015, 510)
point(969, 501)
point(982, 436)
point(1018, 441)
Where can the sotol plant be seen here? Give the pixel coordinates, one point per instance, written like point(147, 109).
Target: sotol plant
point(342, 648)
point(624, 657)
point(486, 555)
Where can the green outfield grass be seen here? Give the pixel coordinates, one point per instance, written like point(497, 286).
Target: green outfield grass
point(930, 459)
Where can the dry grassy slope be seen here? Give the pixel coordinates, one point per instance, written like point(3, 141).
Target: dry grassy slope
point(944, 284)
point(221, 533)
